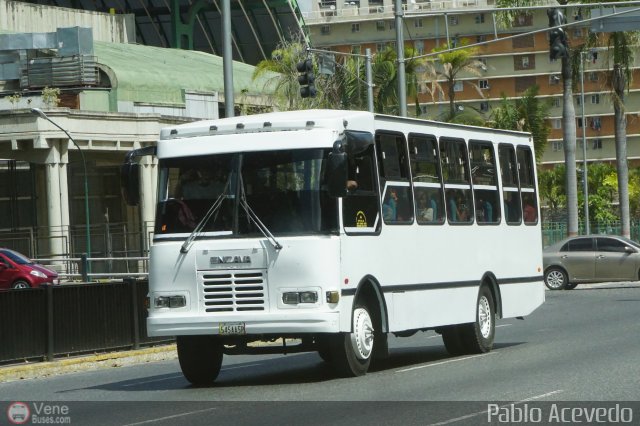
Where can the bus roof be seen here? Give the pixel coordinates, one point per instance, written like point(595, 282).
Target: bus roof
point(306, 119)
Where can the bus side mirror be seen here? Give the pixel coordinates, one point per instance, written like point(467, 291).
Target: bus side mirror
point(130, 183)
point(337, 171)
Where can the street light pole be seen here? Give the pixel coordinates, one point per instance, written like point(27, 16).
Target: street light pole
point(41, 114)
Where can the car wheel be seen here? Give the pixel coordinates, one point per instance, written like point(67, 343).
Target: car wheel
point(571, 286)
point(555, 279)
point(351, 353)
point(20, 284)
point(200, 358)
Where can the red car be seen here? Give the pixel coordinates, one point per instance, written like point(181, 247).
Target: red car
point(18, 271)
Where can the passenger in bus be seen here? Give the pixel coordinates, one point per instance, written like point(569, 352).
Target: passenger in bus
point(427, 208)
point(390, 205)
point(530, 213)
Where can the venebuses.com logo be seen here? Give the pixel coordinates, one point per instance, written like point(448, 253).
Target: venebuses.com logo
point(18, 413)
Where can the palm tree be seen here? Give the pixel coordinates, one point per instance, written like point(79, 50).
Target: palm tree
point(384, 76)
point(619, 79)
point(281, 76)
point(452, 64)
point(506, 18)
point(527, 114)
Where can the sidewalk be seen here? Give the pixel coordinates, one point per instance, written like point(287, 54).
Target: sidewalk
point(31, 370)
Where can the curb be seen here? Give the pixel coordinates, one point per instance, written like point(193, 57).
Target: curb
point(87, 362)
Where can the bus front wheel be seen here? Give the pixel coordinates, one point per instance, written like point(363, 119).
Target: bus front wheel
point(351, 352)
point(200, 358)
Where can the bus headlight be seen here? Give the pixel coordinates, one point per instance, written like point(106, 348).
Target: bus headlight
point(296, 297)
point(170, 302)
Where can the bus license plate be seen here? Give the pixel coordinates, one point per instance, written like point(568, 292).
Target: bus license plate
point(227, 328)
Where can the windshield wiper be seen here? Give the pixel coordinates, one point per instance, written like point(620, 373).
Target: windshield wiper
point(256, 220)
point(198, 229)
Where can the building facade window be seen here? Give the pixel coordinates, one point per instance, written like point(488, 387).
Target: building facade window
point(417, 23)
point(355, 27)
point(579, 119)
point(484, 106)
point(556, 145)
point(458, 87)
point(554, 79)
point(480, 18)
point(595, 98)
point(356, 49)
point(481, 38)
point(596, 124)
point(419, 47)
point(380, 26)
point(453, 20)
point(556, 123)
point(593, 76)
point(325, 29)
point(556, 102)
point(483, 84)
point(524, 62)
point(380, 47)
point(596, 144)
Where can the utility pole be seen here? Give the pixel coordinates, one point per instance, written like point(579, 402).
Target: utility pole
point(402, 85)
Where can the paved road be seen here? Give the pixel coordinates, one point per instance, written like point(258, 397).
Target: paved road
point(581, 345)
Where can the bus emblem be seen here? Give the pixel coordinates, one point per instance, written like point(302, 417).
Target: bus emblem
point(361, 219)
point(218, 260)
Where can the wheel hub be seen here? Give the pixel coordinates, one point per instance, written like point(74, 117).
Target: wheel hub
point(362, 336)
point(484, 317)
point(555, 279)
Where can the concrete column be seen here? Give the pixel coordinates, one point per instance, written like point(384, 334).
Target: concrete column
point(54, 209)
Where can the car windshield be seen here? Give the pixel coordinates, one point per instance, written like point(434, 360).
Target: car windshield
point(630, 242)
point(17, 257)
point(285, 189)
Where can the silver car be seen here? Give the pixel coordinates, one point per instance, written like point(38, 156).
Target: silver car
point(591, 258)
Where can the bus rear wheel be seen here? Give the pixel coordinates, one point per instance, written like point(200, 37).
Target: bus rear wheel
point(476, 337)
point(351, 352)
point(200, 358)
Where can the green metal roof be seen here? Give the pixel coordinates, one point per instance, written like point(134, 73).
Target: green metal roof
point(158, 75)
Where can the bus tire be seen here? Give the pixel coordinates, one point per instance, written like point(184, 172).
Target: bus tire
point(200, 358)
point(351, 353)
point(452, 338)
point(477, 337)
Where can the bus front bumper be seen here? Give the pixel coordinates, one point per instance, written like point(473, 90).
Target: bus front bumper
point(273, 324)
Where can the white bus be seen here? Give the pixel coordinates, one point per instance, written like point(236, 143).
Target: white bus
point(331, 229)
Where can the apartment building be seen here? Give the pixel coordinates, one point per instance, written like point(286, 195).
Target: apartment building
point(508, 67)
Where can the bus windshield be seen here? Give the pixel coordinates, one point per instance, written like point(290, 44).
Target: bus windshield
point(286, 190)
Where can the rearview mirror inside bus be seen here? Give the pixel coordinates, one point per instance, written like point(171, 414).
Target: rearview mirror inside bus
point(130, 183)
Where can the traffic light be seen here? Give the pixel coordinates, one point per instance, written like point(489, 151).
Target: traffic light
point(558, 47)
point(306, 79)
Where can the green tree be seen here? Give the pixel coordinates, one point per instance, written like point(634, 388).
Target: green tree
point(450, 64)
point(527, 113)
point(281, 75)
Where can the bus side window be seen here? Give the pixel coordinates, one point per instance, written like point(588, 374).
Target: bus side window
point(427, 179)
point(455, 171)
point(527, 185)
point(361, 207)
point(510, 185)
point(485, 182)
point(395, 185)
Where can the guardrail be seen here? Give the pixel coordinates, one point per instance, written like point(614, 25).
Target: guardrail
point(69, 268)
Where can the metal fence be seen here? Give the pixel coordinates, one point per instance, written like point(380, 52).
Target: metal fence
point(54, 321)
point(552, 232)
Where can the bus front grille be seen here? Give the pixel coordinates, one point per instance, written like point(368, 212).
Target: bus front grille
point(233, 291)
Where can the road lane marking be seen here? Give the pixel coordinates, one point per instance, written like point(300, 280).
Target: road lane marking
point(238, 366)
point(503, 325)
point(153, 380)
point(175, 416)
point(480, 413)
point(443, 362)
